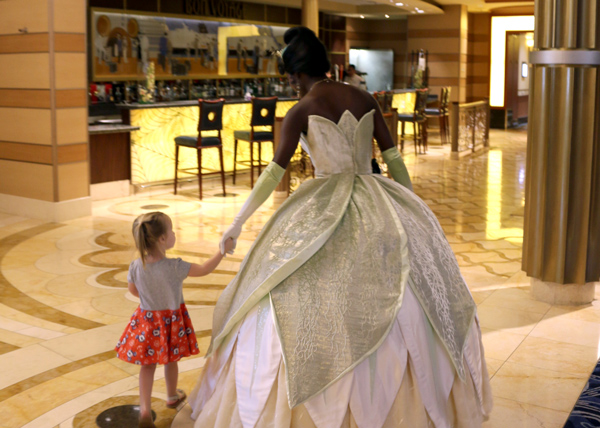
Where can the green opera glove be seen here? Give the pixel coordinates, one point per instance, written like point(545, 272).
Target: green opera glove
point(266, 183)
point(396, 167)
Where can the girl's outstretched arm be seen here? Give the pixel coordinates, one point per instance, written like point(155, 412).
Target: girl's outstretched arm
point(211, 264)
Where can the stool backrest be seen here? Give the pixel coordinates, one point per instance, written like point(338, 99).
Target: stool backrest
point(384, 99)
point(389, 99)
point(211, 115)
point(445, 98)
point(263, 111)
point(421, 101)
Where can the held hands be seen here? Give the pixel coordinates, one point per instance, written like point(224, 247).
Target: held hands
point(229, 239)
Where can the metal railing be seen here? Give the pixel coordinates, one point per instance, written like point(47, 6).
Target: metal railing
point(470, 127)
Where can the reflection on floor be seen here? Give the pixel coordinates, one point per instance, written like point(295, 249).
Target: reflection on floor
point(64, 303)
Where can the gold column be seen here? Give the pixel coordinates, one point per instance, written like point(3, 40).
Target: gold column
point(561, 248)
point(310, 15)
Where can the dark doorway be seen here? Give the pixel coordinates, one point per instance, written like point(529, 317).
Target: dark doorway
point(516, 95)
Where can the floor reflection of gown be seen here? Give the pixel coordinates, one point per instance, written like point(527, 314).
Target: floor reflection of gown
point(349, 310)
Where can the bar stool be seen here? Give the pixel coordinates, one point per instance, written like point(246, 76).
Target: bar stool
point(442, 113)
point(419, 121)
point(263, 114)
point(210, 119)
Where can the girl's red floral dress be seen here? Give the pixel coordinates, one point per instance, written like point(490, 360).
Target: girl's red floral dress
point(158, 336)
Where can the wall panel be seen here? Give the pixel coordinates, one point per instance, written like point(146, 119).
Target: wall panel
point(26, 152)
point(71, 70)
point(68, 16)
point(25, 71)
point(72, 153)
point(25, 125)
point(24, 43)
point(15, 14)
point(34, 98)
point(71, 98)
point(28, 180)
point(73, 181)
point(69, 42)
point(71, 125)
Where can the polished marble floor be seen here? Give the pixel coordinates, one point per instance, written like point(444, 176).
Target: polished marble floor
point(64, 299)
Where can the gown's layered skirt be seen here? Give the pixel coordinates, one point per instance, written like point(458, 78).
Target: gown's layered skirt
point(349, 310)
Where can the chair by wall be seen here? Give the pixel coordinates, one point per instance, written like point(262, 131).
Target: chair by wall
point(210, 119)
point(263, 114)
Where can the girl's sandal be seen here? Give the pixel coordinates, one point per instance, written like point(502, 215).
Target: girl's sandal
point(176, 400)
point(146, 423)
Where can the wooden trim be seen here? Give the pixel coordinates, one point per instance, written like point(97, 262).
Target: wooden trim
point(26, 98)
point(444, 81)
point(24, 43)
point(444, 57)
point(72, 153)
point(433, 34)
point(477, 38)
point(513, 11)
point(478, 79)
point(64, 42)
point(478, 58)
point(358, 35)
point(66, 98)
point(32, 153)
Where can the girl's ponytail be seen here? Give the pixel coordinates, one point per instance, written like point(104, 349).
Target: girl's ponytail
point(147, 229)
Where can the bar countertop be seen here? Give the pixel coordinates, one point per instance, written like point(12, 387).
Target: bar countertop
point(187, 103)
point(111, 128)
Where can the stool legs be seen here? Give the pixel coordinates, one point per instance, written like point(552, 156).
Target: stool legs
point(235, 144)
point(425, 136)
point(251, 165)
point(259, 159)
point(200, 173)
point(222, 169)
point(176, 162)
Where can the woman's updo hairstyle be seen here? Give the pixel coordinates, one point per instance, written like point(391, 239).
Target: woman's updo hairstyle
point(304, 53)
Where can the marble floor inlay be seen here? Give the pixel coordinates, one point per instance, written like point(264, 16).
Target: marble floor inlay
point(64, 299)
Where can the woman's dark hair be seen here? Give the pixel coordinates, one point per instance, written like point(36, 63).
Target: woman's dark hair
point(304, 53)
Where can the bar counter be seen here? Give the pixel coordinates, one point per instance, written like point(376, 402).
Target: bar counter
point(153, 145)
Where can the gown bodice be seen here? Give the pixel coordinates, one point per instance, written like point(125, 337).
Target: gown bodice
point(339, 148)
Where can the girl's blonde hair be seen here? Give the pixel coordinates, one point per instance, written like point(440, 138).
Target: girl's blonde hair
point(147, 229)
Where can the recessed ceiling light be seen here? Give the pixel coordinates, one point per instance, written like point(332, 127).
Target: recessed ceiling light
point(421, 11)
point(399, 4)
point(362, 16)
point(387, 16)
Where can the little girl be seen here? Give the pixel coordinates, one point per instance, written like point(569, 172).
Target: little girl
point(160, 330)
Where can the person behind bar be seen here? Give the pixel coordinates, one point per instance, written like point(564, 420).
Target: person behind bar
point(349, 309)
point(352, 78)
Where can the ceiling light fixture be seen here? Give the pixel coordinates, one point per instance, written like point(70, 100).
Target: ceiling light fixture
point(362, 16)
point(387, 16)
point(421, 11)
point(399, 4)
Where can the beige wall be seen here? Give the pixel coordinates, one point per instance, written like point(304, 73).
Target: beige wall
point(43, 100)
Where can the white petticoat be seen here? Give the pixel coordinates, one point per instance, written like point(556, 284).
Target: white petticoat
point(408, 382)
